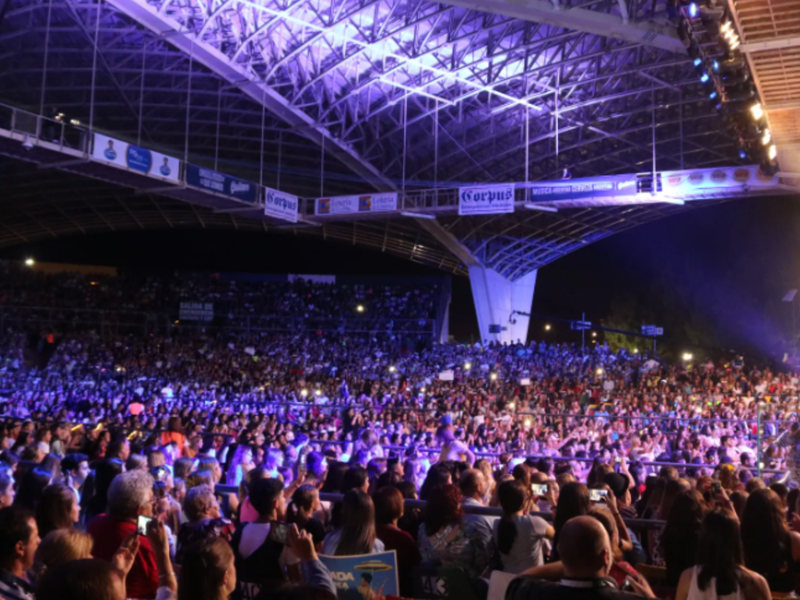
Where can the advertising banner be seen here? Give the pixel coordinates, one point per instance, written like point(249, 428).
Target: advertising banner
point(486, 199)
point(196, 311)
point(688, 182)
point(127, 156)
point(280, 205)
point(365, 577)
point(352, 205)
point(219, 183)
point(576, 189)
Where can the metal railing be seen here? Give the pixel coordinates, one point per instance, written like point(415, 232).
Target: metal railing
point(488, 511)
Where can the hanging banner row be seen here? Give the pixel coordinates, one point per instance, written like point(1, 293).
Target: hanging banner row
point(127, 156)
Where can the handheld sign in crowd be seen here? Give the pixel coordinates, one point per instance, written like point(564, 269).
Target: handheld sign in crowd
point(364, 577)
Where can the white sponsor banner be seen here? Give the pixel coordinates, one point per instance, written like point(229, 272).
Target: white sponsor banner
point(280, 205)
point(486, 199)
point(688, 182)
point(350, 205)
point(134, 158)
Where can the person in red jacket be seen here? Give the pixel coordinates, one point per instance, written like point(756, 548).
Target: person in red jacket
point(130, 495)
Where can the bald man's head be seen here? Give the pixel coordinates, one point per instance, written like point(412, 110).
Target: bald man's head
point(584, 548)
point(472, 484)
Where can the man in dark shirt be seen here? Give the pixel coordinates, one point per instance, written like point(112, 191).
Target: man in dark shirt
point(19, 538)
point(586, 555)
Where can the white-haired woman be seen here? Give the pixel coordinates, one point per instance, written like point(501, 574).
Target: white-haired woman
point(129, 497)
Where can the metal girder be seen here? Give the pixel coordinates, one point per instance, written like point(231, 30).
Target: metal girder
point(580, 19)
point(776, 44)
point(162, 25)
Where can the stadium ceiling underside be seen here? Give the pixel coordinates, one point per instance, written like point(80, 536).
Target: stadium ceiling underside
point(326, 97)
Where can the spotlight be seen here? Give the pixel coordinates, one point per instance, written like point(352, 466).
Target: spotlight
point(716, 66)
point(422, 389)
point(698, 61)
point(511, 405)
point(304, 393)
point(693, 10)
point(392, 369)
point(29, 262)
point(493, 376)
point(318, 392)
point(636, 351)
point(712, 95)
point(757, 111)
point(594, 334)
point(687, 356)
point(772, 153)
point(704, 78)
point(599, 371)
point(467, 366)
point(766, 138)
point(742, 154)
point(547, 327)
point(360, 308)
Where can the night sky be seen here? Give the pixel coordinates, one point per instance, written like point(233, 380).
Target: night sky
point(744, 252)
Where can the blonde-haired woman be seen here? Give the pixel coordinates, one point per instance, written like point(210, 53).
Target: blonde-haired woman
point(60, 546)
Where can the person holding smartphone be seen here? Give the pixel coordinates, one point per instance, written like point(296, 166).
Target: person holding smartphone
point(518, 535)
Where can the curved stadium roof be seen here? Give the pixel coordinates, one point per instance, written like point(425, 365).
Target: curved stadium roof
point(403, 94)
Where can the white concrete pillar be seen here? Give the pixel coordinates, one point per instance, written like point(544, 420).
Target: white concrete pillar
point(496, 298)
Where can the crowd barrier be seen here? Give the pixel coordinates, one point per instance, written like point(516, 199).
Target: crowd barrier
point(488, 511)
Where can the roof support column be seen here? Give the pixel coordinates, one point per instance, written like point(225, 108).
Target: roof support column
point(496, 300)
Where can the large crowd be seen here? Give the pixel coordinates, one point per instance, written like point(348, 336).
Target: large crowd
point(604, 469)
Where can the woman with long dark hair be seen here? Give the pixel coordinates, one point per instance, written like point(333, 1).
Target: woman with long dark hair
point(770, 548)
point(719, 572)
point(518, 535)
point(300, 511)
point(573, 501)
point(357, 532)
point(681, 534)
point(57, 509)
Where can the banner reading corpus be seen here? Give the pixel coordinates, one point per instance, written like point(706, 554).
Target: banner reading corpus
point(351, 205)
point(280, 205)
point(128, 156)
point(486, 199)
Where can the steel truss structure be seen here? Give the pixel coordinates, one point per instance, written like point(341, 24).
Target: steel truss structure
point(321, 97)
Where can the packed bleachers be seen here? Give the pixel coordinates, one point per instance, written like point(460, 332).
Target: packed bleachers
point(268, 455)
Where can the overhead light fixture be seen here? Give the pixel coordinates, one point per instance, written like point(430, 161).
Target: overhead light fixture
point(766, 138)
point(772, 153)
point(542, 207)
point(757, 111)
point(693, 11)
point(414, 215)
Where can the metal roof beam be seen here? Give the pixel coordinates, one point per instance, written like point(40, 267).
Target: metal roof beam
point(217, 62)
point(580, 19)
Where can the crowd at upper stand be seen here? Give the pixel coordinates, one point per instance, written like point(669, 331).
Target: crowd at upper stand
point(306, 303)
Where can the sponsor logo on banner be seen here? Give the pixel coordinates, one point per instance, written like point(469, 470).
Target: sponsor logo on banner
point(280, 205)
point(741, 175)
point(683, 182)
point(350, 205)
point(585, 188)
point(674, 181)
point(139, 159)
point(127, 156)
point(486, 200)
point(763, 177)
point(213, 181)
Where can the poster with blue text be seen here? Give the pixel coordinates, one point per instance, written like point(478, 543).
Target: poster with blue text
point(133, 158)
point(365, 577)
